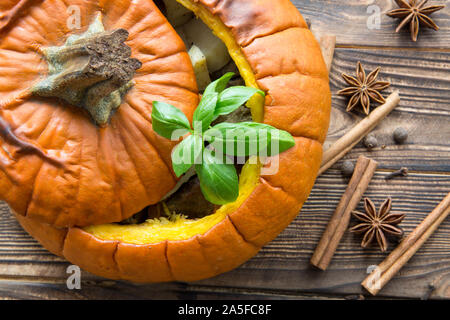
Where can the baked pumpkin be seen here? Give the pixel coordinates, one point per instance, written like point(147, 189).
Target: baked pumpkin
point(70, 172)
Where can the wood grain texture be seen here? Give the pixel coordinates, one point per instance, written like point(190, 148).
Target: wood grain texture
point(351, 21)
point(281, 270)
point(11, 289)
point(423, 79)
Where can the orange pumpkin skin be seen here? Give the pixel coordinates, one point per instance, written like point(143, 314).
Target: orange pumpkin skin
point(288, 65)
point(109, 173)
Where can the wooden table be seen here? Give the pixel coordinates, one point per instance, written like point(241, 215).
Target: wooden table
point(421, 71)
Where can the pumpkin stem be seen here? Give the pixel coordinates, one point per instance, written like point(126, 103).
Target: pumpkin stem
point(92, 71)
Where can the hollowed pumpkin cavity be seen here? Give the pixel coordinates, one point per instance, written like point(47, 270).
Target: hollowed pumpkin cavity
point(177, 227)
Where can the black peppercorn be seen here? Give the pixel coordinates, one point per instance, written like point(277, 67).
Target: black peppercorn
point(370, 142)
point(400, 135)
point(347, 168)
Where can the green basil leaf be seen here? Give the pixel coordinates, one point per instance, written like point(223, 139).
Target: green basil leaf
point(234, 97)
point(205, 111)
point(248, 138)
point(218, 181)
point(168, 121)
point(186, 154)
point(219, 85)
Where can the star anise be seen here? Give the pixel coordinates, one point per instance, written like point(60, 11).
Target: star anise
point(415, 13)
point(377, 224)
point(363, 88)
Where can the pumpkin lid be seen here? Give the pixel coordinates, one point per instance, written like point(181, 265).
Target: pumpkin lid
point(77, 83)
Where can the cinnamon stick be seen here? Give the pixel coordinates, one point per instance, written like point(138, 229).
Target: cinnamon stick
point(327, 44)
point(387, 269)
point(358, 132)
point(364, 170)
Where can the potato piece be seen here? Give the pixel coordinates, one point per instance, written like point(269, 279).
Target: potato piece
point(200, 67)
point(215, 51)
point(176, 13)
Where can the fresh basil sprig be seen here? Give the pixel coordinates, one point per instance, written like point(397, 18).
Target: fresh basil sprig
point(169, 121)
point(205, 111)
point(218, 178)
point(248, 138)
point(185, 154)
point(232, 98)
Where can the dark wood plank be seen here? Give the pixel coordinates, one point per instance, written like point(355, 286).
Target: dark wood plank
point(423, 79)
point(111, 290)
point(349, 21)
